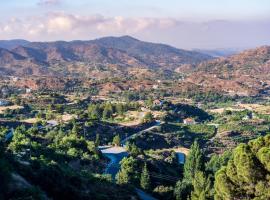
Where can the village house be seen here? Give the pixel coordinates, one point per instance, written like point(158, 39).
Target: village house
point(189, 121)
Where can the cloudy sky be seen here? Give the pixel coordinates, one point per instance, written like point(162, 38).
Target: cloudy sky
point(181, 23)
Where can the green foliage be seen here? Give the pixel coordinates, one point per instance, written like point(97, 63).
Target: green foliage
point(182, 190)
point(204, 129)
point(194, 162)
point(165, 192)
point(148, 117)
point(127, 173)
point(133, 149)
point(20, 140)
point(107, 111)
point(247, 173)
point(145, 178)
point(218, 161)
point(4, 173)
point(116, 140)
point(94, 111)
point(202, 187)
point(97, 141)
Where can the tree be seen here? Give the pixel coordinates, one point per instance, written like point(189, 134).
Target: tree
point(97, 141)
point(133, 149)
point(107, 112)
point(182, 190)
point(127, 173)
point(217, 161)
point(247, 173)
point(122, 177)
point(94, 111)
point(119, 108)
point(202, 187)
point(194, 162)
point(5, 175)
point(116, 140)
point(20, 140)
point(75, 129)
point(145, 178)
point(148, 117)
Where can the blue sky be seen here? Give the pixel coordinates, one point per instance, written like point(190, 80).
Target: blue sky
point(198, 22)
point(206, 9)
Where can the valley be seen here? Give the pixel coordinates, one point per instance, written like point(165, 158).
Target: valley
point(116, 115)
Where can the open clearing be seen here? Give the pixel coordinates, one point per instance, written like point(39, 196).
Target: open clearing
point(14, 107)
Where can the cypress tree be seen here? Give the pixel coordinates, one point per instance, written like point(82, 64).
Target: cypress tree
point(194, 162)
point(116, 140)
point(202, 187)
point(145, 178)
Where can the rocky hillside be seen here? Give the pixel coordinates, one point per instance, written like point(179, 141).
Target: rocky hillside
point(246, 73)
point(111, 54)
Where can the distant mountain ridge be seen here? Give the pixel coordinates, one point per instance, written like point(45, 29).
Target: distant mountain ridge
point(245, 73)
point(62, 57)
point(219, 52)
point(11, 44)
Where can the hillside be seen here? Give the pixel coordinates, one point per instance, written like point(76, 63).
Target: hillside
point(246, 73)
point(11, 44)
point(113, 55)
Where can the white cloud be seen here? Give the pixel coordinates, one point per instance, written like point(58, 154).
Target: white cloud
point(58, 23)
point(183, 34)
point(48, 2)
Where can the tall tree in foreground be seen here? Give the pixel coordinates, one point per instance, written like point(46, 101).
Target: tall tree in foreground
point(5, 175)
point(202, 187)
point(127, 171)
point(247, 174)
point(193, 164)
point(145, 178)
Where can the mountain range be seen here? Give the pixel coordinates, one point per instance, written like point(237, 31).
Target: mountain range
point(77, 57)
point(245, 73)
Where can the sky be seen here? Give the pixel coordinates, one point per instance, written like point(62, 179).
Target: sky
point(187, 24)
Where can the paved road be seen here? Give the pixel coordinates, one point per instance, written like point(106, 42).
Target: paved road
point(114, 165)
point(157, 124)
point(116, 154)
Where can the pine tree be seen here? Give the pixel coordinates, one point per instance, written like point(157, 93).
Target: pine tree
point(107, 112)
point(116, 140)
point(246, 176)
point(75, 129)
point(127, 172)
point(122, 177)
point(145, 178)
point(194, 162)
point(202, 187)
point(182, 190)
point(97, 141)
point(94, 111)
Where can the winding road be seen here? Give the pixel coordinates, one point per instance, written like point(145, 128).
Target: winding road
point(157, 124)
point(116, 154)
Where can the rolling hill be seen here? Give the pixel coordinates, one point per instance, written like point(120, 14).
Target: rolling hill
point(108, 54)
point(246, 73)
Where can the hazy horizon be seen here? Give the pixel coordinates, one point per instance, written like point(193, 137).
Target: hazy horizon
point(183, 24)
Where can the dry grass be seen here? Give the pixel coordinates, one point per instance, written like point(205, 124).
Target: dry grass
point(14, 107)
point(261, 109)
point(31, 120)
point(222, 110)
